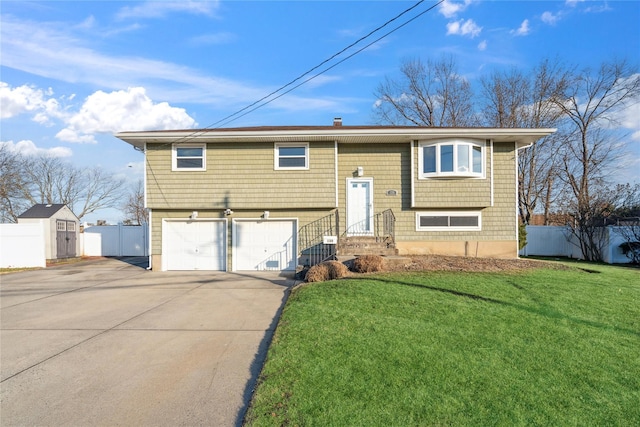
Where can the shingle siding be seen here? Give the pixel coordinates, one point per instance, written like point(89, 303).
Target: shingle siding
point(241, 176)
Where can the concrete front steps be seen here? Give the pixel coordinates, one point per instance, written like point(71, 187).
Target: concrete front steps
point(364, 245)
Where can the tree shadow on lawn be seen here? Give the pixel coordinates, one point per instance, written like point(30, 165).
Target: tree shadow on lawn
point(543, 310)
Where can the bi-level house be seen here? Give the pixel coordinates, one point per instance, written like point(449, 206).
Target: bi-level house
point(273, 198)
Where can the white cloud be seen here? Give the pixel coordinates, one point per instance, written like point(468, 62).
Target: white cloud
point(450, 9)
point(29, 148)
point(119, 111)
point(20, 100)
point(160, 9)
point(51, 51)
point(464, 28)
point(573, 3)
point(550, 18)
point(482, 45)
point(523, 30)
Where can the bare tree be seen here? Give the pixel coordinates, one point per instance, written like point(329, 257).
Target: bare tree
point(515, 99)
point(12, 180)
point(134, 209)
point(432, 95)
point(591, 103)
point(44, 179)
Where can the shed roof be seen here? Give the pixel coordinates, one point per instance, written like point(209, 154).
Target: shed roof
point(42, 210)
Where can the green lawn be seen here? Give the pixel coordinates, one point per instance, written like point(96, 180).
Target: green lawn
point(540, 347)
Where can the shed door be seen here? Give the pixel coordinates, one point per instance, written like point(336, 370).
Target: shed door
point(264, 244)
point(65, 239)
point(194, 245)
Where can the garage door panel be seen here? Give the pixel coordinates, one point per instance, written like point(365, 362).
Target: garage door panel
point(194, 245)
point(265, 245)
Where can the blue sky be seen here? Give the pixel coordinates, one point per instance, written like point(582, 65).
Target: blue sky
point(75, 72)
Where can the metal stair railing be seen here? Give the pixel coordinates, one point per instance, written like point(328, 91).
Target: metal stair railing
point(311, 237)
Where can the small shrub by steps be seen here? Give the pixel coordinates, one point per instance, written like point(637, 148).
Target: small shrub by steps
point(328, 270)
point(368, 264)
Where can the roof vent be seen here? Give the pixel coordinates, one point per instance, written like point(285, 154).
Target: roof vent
point(337, 121)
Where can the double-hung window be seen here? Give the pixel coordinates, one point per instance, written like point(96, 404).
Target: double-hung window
point(189, 157)
point(291, 156)
point(452, 158)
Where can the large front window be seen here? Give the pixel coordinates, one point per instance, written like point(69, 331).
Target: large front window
point(451, 158)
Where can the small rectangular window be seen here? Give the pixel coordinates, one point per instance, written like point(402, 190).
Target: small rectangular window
point(448, 221)
point(477, 159)
point(463, 221)
point(291, 156)
point(463, 158)
point(434, 221)
point(446, 158)
point(429, 160)
point(189, 157)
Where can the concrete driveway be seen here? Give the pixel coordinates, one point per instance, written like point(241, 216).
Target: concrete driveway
point(108, 343)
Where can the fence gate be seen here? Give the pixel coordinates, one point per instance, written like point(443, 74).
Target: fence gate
point(65, 239)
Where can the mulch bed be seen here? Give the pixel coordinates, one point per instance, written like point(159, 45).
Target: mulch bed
point(458, 263)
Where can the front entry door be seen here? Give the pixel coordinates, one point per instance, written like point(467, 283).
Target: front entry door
point(360, 207)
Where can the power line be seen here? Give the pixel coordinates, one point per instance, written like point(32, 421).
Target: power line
point(319, 65)
point(321, 72)
point(267, 98)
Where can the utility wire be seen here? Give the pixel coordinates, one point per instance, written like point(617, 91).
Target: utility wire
point(320, 73)
point(317, 66)
point(259, 103)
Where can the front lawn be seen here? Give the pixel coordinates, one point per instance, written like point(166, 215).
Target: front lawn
point(536, 347)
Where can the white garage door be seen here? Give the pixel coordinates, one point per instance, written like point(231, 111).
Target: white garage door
point(264, 244)
point(194, 245)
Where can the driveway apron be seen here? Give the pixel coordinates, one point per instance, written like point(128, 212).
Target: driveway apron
point(108, 343)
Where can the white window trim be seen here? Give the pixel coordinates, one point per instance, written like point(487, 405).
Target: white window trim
point(449, 214)
point(454, 173)
point(276, 155)
point(174, 157)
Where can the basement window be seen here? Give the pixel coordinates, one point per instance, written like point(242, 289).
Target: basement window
point(449, 221)
point(189, 157)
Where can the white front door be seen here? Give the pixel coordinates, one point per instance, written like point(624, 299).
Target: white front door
point(360, 207)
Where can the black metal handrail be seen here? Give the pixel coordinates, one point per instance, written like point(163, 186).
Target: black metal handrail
point(311, 239)
point(384, 227)
point(385, 223)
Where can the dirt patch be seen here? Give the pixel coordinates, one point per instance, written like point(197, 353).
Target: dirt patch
point(455, 263)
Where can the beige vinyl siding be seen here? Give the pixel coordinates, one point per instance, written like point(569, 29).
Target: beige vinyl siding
point(390, 167)
point(448, 193)
point(498, 221)
point(241, 176)
point(501, 220)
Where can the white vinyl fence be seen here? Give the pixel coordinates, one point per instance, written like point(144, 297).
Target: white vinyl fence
point(558, 241)
point(22, 245)
point(115, 240)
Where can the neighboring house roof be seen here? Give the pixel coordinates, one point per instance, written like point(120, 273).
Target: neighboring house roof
point(341, 134)
point(42, 211)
